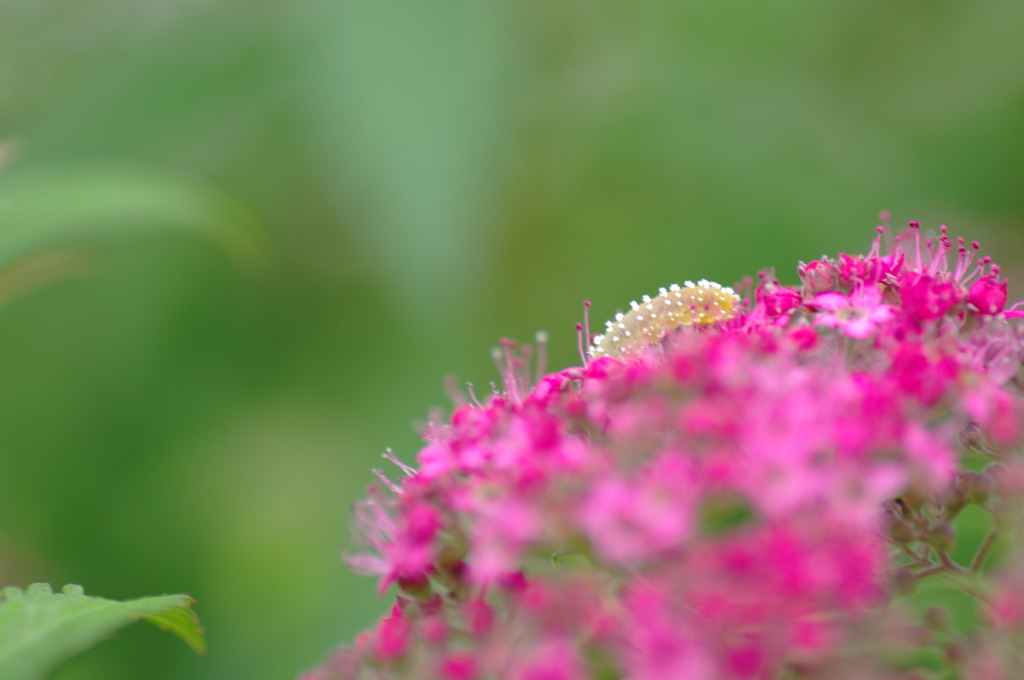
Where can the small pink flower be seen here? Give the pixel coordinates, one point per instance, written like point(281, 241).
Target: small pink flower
point(925, 297)
point(632, 520)
point(858, 315)
point(555, 660)
point(778, 300)
point(923, 371)
point(392, 639)
point(459, 666)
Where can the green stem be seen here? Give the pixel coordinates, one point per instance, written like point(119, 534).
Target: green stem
point(964, 582)
point(984, 551)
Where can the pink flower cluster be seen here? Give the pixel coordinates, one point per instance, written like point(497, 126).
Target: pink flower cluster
point(746, 500)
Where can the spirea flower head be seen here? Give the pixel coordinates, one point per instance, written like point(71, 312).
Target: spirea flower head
point(724, 488)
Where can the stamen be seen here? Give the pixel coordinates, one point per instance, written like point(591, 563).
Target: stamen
point(454, 395)
point(916, 226)
point(472, 395)
point(541, 338)
point(579, 343)
point(395, 488)
point(390, 456)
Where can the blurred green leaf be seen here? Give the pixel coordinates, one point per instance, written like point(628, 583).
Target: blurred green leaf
point(39, 628)
point(409, 116)
point(37, 269)
point(723, 514)
point(180, 621)
point(66, 207)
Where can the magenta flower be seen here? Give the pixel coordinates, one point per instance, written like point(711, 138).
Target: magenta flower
point(858, 314)
point(748, 495)
point(988, 294)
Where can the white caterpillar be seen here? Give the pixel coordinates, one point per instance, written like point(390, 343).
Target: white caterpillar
point(692, 304)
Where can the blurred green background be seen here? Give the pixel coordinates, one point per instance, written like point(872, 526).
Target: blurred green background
point(290, 220)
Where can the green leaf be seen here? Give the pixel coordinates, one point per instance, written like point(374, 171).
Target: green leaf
point(68, 207)
point(419, 88)
point(182, 622)
point(39, 629)
point(724, 513)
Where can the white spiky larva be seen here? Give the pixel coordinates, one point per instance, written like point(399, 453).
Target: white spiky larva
point(692, 304)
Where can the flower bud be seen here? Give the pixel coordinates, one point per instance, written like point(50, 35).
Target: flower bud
point(953, 500)
point(913, 498)
point(977, 488)
point(899, 530)
point(988, 295)
point(942, 537)
point(818, 276)
point(972, 437)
